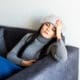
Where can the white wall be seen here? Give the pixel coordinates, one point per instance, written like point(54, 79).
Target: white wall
point(27, 13)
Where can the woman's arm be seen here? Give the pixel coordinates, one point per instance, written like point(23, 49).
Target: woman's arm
point(58, 49)
point(12, 55)
point(61, 52)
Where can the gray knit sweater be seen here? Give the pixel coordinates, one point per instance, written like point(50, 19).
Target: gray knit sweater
point(33, 50)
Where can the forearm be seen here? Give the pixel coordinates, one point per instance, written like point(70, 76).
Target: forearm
point(12, 57)
point(13, 54)
point(61, 52)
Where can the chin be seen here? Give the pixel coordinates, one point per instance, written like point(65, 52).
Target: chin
point(45, 36)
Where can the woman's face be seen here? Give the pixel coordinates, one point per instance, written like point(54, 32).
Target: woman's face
point(48, 30)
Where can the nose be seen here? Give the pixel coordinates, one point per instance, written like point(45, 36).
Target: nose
point(48, 28)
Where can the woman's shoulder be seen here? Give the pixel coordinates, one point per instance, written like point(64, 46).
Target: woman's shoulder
point(27, 35)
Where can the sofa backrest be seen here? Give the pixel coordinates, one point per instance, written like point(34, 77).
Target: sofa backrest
point(13, 35)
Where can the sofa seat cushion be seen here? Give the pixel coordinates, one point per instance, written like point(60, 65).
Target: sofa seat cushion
point(49, 69)
point(7, 68)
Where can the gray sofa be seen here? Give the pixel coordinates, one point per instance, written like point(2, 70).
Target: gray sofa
point(46, 68)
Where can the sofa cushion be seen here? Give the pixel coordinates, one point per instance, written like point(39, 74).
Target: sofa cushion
point(7, 68)
point(12, 36)
point(2, 43)
point(49, 69)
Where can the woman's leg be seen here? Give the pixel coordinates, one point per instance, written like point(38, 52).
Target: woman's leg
point(7, 68)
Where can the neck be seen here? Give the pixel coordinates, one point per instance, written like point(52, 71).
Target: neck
point(42, 39)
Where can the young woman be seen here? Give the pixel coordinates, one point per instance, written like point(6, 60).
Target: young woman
point(27, 51)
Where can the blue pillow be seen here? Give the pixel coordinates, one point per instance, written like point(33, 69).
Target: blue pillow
point(7, 68)
point(3, 49)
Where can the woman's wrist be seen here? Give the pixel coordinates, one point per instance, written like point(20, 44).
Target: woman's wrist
point(24, 63)
point(27, 63)
point(59, 37)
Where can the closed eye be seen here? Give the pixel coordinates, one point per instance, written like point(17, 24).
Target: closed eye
point(47, 24)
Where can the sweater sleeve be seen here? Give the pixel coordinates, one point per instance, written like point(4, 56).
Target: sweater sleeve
point(61, 52)
point(58, 51)
point(12, 55)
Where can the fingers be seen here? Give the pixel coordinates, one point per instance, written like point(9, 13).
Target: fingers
point(58, 28)
point(32, 60)
point(58, 23)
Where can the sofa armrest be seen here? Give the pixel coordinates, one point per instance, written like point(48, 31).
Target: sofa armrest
point(48, 69)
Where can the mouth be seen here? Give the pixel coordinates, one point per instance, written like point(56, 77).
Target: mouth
point(45, 32)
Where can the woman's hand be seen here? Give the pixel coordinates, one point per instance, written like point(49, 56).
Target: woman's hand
point(58, 29)
point(27, 63)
